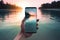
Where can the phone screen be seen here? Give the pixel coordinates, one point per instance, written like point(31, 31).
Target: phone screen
point(31, 16)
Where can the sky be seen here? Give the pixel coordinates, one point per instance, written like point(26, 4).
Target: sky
point(32, 3)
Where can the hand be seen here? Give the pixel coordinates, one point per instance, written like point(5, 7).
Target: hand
point(23, 31)
point(22, 35)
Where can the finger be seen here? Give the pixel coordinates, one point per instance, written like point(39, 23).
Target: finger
point(37, 23)
point(37, 20)
point(37, 26)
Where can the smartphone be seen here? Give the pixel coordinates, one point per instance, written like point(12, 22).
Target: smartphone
point(31, 17)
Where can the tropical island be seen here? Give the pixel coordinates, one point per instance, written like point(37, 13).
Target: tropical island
point(7, 6)
point(52, 5)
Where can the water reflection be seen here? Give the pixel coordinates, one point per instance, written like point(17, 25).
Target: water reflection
point(43, 18)
point(5, 13)
point(49, 25)
point(9, 23)
point(54, 14)
point(11, 20)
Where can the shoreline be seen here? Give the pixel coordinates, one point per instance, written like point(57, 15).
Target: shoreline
point(50, 9)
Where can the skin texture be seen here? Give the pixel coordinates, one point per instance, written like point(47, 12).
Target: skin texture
point(22, 35)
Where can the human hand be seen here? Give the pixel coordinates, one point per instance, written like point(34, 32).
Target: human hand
point(23, 27)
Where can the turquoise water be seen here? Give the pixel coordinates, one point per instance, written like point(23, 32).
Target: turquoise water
point(9, 27)
point(30, 26)
point(8, 34)
point(49, 26)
